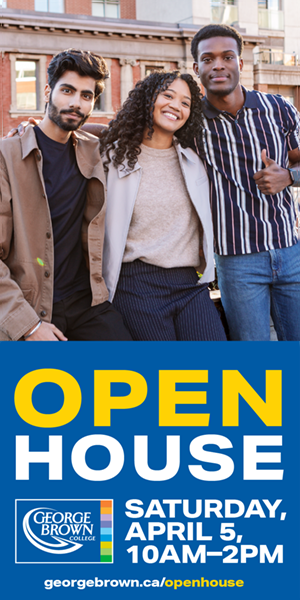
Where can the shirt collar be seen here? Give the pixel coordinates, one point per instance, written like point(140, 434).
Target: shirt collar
point(187, 152)
point(211, 112)
point(124, 169)
point(29, 141)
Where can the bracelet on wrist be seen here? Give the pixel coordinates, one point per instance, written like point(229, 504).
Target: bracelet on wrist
point(295, 177)
point(33, 331)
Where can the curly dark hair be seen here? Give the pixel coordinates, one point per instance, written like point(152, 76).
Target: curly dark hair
point(136, 115)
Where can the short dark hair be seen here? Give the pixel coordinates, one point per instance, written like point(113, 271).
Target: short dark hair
point(210, 31)
point(85, 63)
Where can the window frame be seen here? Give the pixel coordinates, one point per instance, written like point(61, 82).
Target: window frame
point(51, 11)
point(153, 64)
point(108, 109)
point(104, 2)
point(40, 60)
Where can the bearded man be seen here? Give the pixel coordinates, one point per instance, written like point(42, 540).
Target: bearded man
point(52, 212)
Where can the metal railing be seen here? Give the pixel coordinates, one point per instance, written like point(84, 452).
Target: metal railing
point(270, 56)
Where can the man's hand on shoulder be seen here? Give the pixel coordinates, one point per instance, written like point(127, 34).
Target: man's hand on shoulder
point(273, 179)
point(46, 332)
point(21, 128)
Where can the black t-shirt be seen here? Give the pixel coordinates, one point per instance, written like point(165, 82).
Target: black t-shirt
point(66, 192)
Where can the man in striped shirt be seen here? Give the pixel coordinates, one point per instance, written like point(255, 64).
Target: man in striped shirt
point(249, 139)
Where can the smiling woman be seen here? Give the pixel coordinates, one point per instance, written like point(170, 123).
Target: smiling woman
point(158, 228)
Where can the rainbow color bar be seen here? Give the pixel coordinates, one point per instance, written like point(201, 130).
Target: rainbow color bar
point(106, 531)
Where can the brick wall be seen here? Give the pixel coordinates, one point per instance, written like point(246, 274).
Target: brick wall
point(128, 9)
point(48, 61)
point(115, 74)
point(21, 4)
point(78, 7)
point(5, 92)
point(75, 7)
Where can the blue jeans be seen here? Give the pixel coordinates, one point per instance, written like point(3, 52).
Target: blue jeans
point(253, 286)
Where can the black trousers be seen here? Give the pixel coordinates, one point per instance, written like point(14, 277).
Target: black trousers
point(160, 304)
point(79, 321)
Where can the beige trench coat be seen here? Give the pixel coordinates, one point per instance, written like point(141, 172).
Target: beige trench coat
point(26, 238)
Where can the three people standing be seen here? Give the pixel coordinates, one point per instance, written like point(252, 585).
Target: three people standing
point(247, 141)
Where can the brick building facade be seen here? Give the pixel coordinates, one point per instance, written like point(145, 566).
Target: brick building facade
point(132, 47)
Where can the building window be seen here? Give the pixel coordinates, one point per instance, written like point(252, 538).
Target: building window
point(28, 80)
point(100, 103)
point(106, 8)
point(288, 92)
point(270, 4)
point(103, 103)
point(270, 14)
point(150, 69)
point(26, 84)
point(224, 11)
point(54, 6)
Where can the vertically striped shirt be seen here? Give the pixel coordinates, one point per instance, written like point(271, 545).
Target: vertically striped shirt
point(246, 220)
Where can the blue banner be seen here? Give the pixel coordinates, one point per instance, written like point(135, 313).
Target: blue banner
point(171, 467)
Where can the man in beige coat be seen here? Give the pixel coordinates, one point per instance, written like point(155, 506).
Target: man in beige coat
point(52, 212)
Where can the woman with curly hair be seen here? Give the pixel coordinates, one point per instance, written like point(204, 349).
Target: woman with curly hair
point(158, 226)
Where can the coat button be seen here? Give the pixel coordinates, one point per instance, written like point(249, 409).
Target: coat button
point(47, 273)
point(44, 195)
point(48, 235)
point(38, 156)
point(43, 313)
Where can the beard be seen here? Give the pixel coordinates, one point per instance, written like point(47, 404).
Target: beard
point(56, 117)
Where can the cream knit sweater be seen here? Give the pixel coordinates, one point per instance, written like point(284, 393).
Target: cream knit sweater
point(164, 229)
